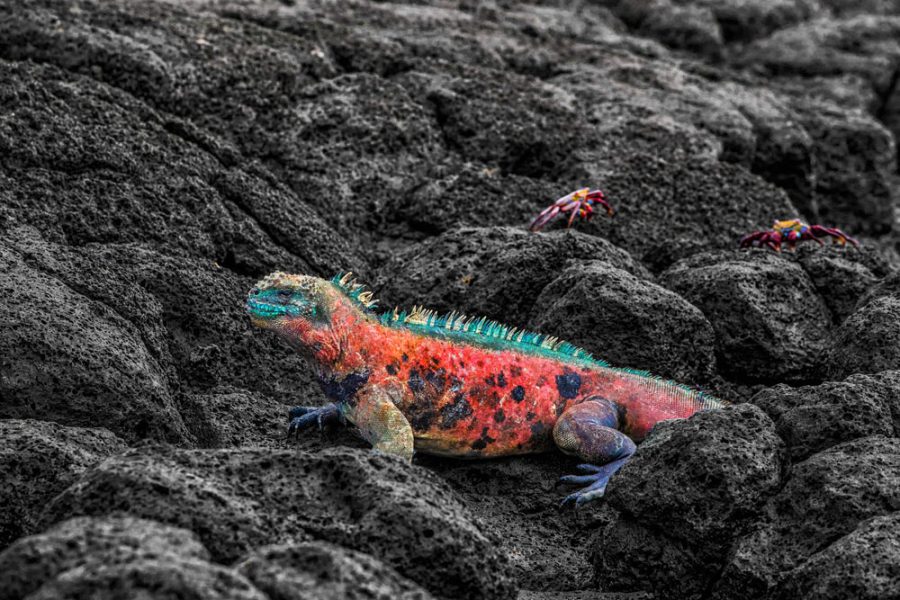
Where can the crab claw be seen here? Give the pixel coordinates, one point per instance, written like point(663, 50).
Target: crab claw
point(837, 236)
point(579, 203)
point(751, 238)
point(597, 197)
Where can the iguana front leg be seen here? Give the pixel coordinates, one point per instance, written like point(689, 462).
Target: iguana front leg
point(373, 411)
point(301, 418)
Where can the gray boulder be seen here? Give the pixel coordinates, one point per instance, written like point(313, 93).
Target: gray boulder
point(770, 323)
point(324, 571)
point(629, 322)
point(38, 460)
point(825, 498)
point(689, 491)
point(813, 418)
point(238, 500)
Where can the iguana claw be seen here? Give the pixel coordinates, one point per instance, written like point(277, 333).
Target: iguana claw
point(303, 417)
point(594, 482)
point(793, 231)
point(578, 203)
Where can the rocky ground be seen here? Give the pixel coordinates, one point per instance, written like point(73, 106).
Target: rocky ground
point(156, 158)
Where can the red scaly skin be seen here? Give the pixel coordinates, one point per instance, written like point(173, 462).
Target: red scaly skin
point(467, 399)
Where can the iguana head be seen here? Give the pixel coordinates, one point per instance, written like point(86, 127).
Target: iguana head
point(312, 314)
point(281, 298)
point(297, 307)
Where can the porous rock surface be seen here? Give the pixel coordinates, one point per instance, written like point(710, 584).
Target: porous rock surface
point(237, 500)
point(684, 499)
point(88, 543)
point(644, 325)
point(826, 498)
point(38, 460)
point(322, 570)
point(769, 321)
point(158, 157)
point(812, 418)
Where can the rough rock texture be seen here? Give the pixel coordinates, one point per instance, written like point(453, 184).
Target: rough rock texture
point(238, 500)
point(257, 92)
point(735, 446)
point(868, 341)
point(630, 321)
point(88, 541)
point(731, 21)
point(455, 196)
point(826, 497)
point(858, 194)
point(212, 418)
point(520, 500)
point(158, 157)
point(864, 47)
point(71, 360)
point(692, 488)
point(813, 418)
point(118, 557)
point(150, 578)
point(887, 383)
point(689, 27)
point(887, 286)
point(769, 321)
point(326, 571)
point(125, 173)
point(184, 330)
point(38, 460)
point(862, 564)
point(841, 278)
point(584, 595)
point(495, 272)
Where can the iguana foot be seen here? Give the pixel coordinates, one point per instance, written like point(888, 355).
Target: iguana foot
point(596, 479)
point(303, 417)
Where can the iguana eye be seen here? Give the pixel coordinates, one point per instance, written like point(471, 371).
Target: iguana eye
point(285, 293)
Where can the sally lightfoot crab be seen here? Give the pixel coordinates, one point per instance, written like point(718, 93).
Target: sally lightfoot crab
point(579, 203)
point(793, 231)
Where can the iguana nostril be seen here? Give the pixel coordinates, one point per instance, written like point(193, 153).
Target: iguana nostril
point(254, 292)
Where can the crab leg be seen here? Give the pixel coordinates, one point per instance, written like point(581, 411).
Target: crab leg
point(838, 236)
point(792, 232)
point(579, 203)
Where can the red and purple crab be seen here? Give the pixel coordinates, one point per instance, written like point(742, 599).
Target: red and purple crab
point(792, 231)
point(579, 203)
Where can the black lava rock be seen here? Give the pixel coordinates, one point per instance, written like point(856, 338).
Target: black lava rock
point(692, 487)
point(627, 321)
point(38, 460)
point(769, 321)
point(238, 500)
point(158, 158)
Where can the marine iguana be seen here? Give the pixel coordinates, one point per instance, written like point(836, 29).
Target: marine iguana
point(465, 387)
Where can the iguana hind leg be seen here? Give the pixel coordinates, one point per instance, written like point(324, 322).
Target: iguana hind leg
point(381, 423)
point(589, 431)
